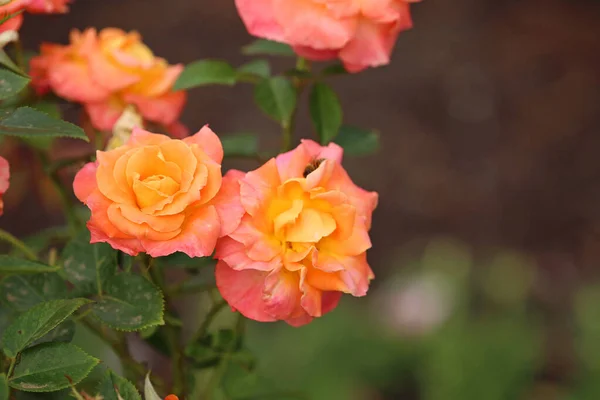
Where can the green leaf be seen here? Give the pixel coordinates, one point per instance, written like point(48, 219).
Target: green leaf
point(149, 391)
point(14, 265)
point(52, 110)
point(11, 84)
point(62, 333)
point(206, 72)
point(277, 98)
point(36, 322)
point(130, 303)
point(23, 292)
point(50, 367)
point(240, 145)
point(88, 266)
point(9, 63)
point(260, 68)
point(25, 122)
point(325, 111)
point(357, 141)
point(6, 317)
point(114, 387)
point(3, 387)
point(262, 46)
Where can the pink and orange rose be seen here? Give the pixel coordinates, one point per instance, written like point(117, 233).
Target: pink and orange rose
point(106, 71)
point(33, 6)
point(4, 181)
point(159, 195)
point(302, 239)
point(362, 33)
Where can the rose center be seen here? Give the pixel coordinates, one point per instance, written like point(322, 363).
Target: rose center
point(153, 189)
point(302, 223)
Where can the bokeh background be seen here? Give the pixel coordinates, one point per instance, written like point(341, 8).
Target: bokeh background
point(487, 235)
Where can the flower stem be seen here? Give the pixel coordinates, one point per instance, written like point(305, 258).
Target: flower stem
point(11, 367)
point(173, 334)
point(68, 206)
point(212, 313)
point(289, 127)
point(18, 244)
point(221, 368)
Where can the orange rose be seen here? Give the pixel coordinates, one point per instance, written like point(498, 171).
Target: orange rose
point(159, 195)
point(302, 240)
point(4, 181)
point(107, 71)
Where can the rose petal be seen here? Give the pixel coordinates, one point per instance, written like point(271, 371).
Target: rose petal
point(198, 236)
point(243, 290)
point(164, 109)
point(259, 18)
point(209, 142)
point(84, 183)
point(228, 202)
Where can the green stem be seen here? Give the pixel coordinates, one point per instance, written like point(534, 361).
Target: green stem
point(135, 371)
point(288, 127)
point(173, 334)
point(18, 244)
point(68, 206)
point(212, 313)
point(11, 367)
point(217, 376)
point(76, 394)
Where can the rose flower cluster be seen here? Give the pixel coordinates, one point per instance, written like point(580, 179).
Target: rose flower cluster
point(289, 237)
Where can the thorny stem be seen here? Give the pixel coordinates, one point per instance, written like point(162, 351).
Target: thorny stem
point(288, 127)
point(18, 244)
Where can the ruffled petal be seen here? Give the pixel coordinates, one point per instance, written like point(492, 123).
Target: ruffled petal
point(165, 109)
point(259, 18)
point(198, 236)
point(209, 142)
point(243, 290)
point(228, 202)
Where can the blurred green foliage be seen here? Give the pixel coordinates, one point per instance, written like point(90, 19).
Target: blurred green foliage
point(487, 339)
